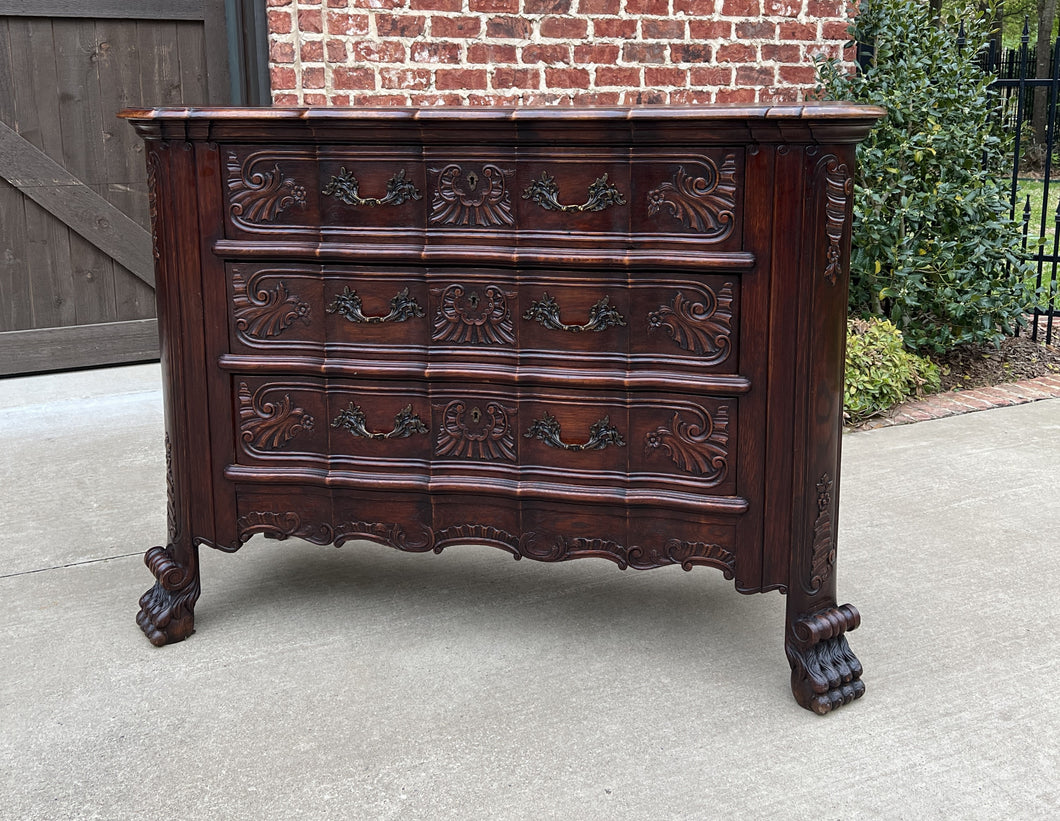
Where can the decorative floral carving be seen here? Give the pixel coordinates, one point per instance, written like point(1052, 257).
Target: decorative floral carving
point(172, 520)
point(686, 554)
point(348, 305)
point(601, 434)
point(468, 318)
point(703, 328)
point(344, 186)
point(704, 204)
point(602, 315)
point(823, 553)
point(260, 196)
point(838, 187)
point(267, 311)
point(476, 432)
point(269, 425)
point(154, 165)
point(545, 192)
point(699, 446)
point(406, 423)
point(274, 525)
point(471, 199)
point(825, 673)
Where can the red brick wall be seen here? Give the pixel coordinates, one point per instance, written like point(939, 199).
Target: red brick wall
point(548, 52)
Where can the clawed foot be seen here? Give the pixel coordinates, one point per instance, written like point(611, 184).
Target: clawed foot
point(167, 609)
point(825, 673)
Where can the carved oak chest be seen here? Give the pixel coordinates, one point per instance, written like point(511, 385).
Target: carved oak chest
point(565, 333)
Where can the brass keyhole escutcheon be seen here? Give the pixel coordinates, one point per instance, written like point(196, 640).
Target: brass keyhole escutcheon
point(476, 415)
point(472, 180)
point(473, 300)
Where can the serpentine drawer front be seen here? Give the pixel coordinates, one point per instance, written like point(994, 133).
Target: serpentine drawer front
point(566, 333)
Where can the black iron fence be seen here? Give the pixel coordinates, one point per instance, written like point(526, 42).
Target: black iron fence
point(1035, 178)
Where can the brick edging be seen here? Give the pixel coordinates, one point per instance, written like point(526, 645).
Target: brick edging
point(941, 405)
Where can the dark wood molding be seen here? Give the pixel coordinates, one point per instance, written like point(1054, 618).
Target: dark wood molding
point(63, 195)
point(78, 346)
point(117, 9)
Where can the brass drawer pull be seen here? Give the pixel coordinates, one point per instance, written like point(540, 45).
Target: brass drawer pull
point(344, 186)
point(601, 434)
point(545, 192)
point(601, 316)
point(406, 423)
point(348, 305)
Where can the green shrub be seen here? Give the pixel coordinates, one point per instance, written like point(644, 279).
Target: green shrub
point(880, 371)
point(934, 249)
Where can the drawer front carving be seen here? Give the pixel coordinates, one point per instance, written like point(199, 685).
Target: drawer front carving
point(563, 437)
point(402, 196)
point(600, 321)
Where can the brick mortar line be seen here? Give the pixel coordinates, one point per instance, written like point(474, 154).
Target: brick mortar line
point(943, 405)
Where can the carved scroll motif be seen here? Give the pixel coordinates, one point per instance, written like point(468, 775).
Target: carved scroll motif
point(344, 187)
point(703, 328)
point(698, 447)
point(545, 192)
point(172, 519)
point(466, 317)
point(260, 196)
point(686, 554)
point(825, 673)
point(476, 432)
point(704, 204)
point(269, 425)
point(823, 554)
point(348, 305)
point(466, 198)
point(602, 315)
point(601, 434)
point(282, 526)
point(267, 311)
point(154, 165)
point(838, 186)
point(406, 423)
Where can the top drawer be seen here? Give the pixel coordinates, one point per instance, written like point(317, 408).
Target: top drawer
point(411, 195)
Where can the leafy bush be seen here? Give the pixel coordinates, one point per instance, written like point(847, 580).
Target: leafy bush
point(934, 248)
point(880, 371)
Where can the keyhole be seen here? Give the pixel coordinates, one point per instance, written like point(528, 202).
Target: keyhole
point(472, 180)
point(473, 299)
point(476, 414)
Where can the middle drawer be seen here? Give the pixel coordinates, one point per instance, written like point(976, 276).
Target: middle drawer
point(602, 318)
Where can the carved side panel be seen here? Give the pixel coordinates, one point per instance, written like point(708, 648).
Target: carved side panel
point(838, 188)
point(701, 328)
point(474, 315)
point(697, 445)
point(823, 554)
point(704, 204)
point(472, 196)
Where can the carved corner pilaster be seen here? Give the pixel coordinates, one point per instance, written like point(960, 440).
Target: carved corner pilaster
point(167, 610)
point(825, 673)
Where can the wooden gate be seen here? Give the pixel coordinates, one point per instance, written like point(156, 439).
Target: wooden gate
point(76, 271)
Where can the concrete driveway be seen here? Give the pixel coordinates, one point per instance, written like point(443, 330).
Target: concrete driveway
point(366, 683)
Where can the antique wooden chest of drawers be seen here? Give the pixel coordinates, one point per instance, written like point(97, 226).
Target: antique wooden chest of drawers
point(564, 333)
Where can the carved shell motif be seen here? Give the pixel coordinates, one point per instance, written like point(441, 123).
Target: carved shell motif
point(260, 196)
point(476, 432)
point(267, 311)
point(703, 328)
point(476, 316)
point(465, 197)
point(698, 446)
point(269, 425)
point(706, 204)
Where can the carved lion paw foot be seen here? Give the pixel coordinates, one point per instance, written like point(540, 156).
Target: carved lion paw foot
point(825, 673)
point(167, 609)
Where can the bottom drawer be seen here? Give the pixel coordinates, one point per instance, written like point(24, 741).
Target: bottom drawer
point(591, 438)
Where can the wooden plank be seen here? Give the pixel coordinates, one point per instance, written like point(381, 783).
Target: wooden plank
point(193, 83)
point(121, 9)
point(62, 194)
point(16, 305)
point(215, 37)
point(81, 346)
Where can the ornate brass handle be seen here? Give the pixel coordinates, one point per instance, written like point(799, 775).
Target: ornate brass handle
point(601, 434)
point(406, 423)
point(602, 315)
point(348, 305)
point(344, 186)
point(545, 192)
